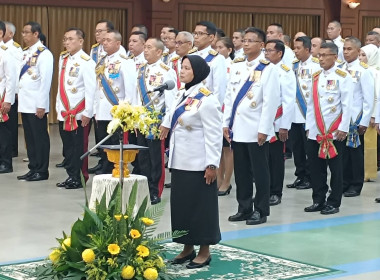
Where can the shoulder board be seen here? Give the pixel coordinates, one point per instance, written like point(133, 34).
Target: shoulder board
point(286, 68)
point(24, 49)
point(94, 45)
point(341, 73)
point(4, 47)
point(124, 56)
point(342, 40)
point(193, 50)
point(177, 57)
point(205, 91)
point(263, 61)
point(295, 61)
point(17, 45)
point(64, 52)
point(182, 87)
point(164, 66)
point(142, 65)
point(339, 61)
point(213, 52)
point(239, 59)
point(165, 54)
point(85, 57)
point(314, 59)
point(364, 65)
point(315, 74)
point(131, 56)
point(41, 49)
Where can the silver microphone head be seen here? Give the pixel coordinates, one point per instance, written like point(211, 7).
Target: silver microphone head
point(170, 84)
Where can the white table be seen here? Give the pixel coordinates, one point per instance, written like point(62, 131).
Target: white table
point(107, 183)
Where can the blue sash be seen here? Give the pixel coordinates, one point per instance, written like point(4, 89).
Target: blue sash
point(95, 54)
point(299, 96)
point(144, 93)
point(210, 57)
point(353, 140)
point(27, 65)
point(242, 93)
point(109, 93)
point(165, 59)
point(180, 110)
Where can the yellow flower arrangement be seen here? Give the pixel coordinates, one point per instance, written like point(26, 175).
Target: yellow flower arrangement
point(55, 255)
point(118, 217)
point(142, 251)
point(114, 249)
point(66, 243)
point(147, 221)
point(88, 256)
point(150, 274)
point(128, 272)
point(134, 233)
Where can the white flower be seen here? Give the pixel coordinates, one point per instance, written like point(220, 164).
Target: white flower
point(113, 125)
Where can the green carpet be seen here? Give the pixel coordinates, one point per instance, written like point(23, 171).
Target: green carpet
point(227, 263)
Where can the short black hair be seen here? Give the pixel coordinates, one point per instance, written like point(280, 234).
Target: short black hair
point(210, 27)
point(42, 38)
point(278, 46)
point(306, 42)
point(142, 28)
point(35, 27)
point(109, 24)
point(331, 46)
point(260, 34)
point(220, 33)
point(3, 27)
point(373, 32)
point(337, 23)
point(175, 31)
point(229, 45)
point(279, 26)
point(240, 30)
point(141, 34)
point(78, 31)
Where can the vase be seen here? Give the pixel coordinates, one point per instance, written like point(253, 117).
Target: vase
point(114, 156)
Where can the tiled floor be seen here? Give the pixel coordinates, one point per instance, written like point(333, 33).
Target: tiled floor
point(32, 214)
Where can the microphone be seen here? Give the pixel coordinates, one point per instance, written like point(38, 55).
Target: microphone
point(168, 85)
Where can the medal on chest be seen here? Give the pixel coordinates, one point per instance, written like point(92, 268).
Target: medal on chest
point(114, 70)
point(332, 85)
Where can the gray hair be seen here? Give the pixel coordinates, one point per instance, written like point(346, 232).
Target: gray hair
point(188, 36)
point(116, 35)
point(11, 26)
point(331, 46)
point(354, 41)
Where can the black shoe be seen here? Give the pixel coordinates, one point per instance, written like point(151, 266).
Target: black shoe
point(25, 176)
point(226, 192)
point(239, 217)
point(73, 185)
point(64, 183)
point(329, 210)
point(168, 185)
point(37, 177)
point(274, 200)
point(4, 169)
point(94, 169)
point(297, 182)
point(351, 194)
point(59, 165)
point(304, 186)
point(193, 265)
point(315, 207)
point(377, 200)
point(189, 257)
point(256, 219)
point(154, 200)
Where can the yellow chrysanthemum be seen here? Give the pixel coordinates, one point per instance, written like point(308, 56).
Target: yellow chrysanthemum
point(128, 272)
point(142, 251)
point(134, 233)
point(88, 256)
point(147, 221)
point(150, 274)
point(55, 255)
point(114, 249)
point(139, 260)
point(118, 217)
point(66, 243)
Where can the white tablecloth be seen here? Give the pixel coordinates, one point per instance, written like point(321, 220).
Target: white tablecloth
point(107, 183)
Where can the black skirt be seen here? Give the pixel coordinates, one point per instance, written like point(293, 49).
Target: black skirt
point(194, 207)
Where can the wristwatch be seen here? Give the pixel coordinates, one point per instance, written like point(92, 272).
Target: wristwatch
point(211, 166)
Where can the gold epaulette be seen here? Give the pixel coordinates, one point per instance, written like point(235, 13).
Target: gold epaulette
point(85, 56)
point(4, 47)
point(339, 61)
point(364, 65)
point(264, 61)
point(142, 64)
point(24, 49)
point(295, 61)
point(175, 58)
point(182, 87)
point(124, 56)
point(239, 59)
point(164, 66)
point(94, 45)
point(64, 53)
point(205, 91)
point(314, 59)
point(342, 40)
point(131, 56)
point(341, 73)
point(17, 45)
point(213, 52)
point(41, 49)
point(286, 68)
point(315, 74)
point(193, 50)
point(165, 54)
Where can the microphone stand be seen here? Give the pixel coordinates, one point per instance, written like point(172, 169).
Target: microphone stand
point(161, 92)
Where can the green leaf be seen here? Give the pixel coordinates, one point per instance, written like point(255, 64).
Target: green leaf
point(98, 222)
point(132, 200)
point(77, 230)
point(83, 182)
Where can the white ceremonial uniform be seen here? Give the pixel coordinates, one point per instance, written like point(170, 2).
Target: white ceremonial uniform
point(100, 52)
point(287, 98)
point(9, 73)
point(217, 79)
point(34, 86)
point(139, 60)
point(79, 83)
point(364, 91)
point(154, 75)
point(199, 127)
point(335, 91)
point(239, 53)
point(229, 62)
point(304, 78)
point(175, 63)
point(339, 42)
point(122, 80)
point(16, 51)
point(256, 111)
point(289, 57)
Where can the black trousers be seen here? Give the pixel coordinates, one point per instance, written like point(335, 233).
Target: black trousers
point(73, 147)
point(252, 161)
point(13, 126)
point(151, 163)
point(101, 126)
point(5, 144)
point(318, 171)
point(298, 138)
point(37, 142)
point(353, 167)
point(276, 167)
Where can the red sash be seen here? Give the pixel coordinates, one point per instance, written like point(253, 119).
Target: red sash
point(278, 115)
point(3, 117)
point(70, 122)
point(175, 67)
point(325, 139)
